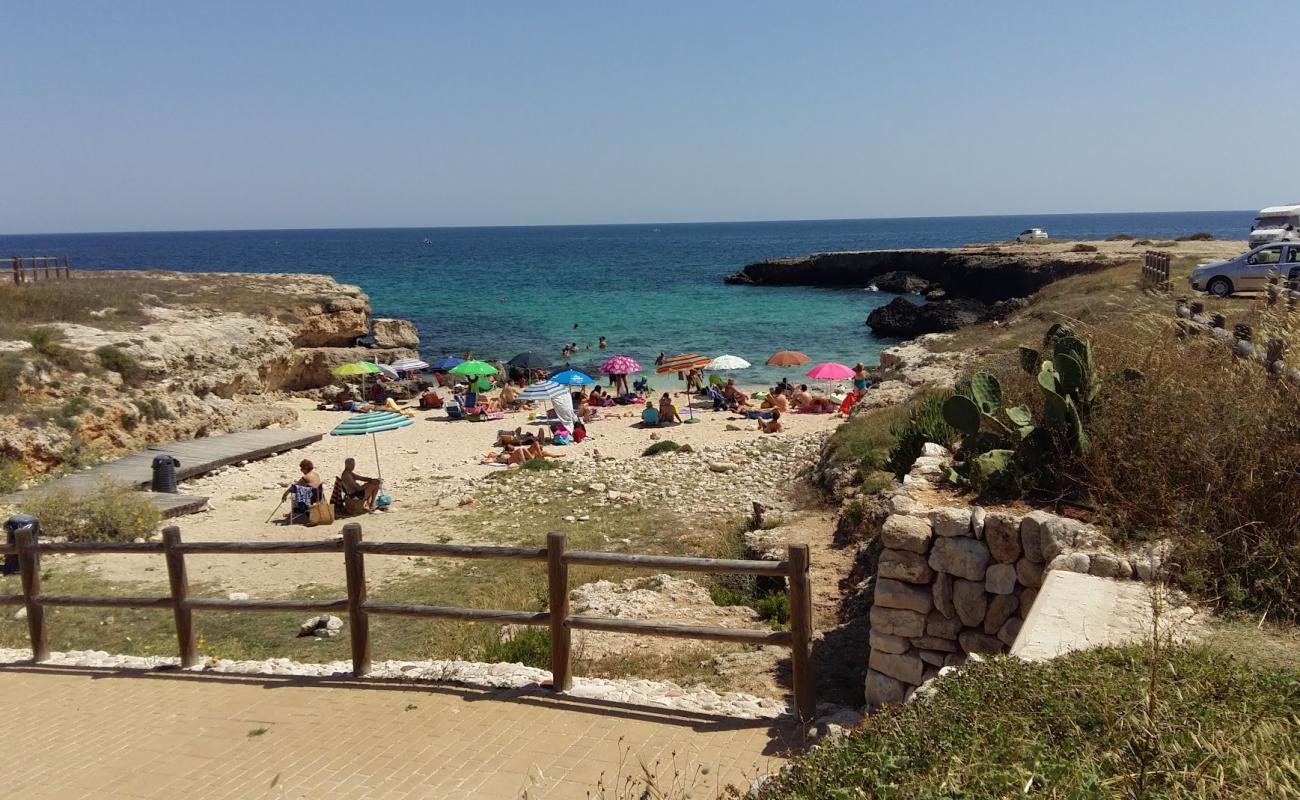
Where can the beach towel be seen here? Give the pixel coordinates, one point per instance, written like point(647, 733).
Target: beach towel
point(303, 497)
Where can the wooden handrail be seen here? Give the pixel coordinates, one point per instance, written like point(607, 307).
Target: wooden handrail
point(360, 609)
point(26, 269)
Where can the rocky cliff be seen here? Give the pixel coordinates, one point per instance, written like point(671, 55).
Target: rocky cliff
point(199, 354)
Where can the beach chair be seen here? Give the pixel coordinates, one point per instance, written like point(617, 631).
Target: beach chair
point(303, 498)
point(470, 401)
point(719, 402)
point(455, 411)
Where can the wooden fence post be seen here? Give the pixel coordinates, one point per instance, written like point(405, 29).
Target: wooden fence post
point(29, 563)
point(557, 582)
point(805, 682)
point(180, 586)
point(358, 620)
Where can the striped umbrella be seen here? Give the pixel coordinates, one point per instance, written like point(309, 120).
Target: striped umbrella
point(409, 365)
point(685, 363)
point(543, 390)
point(372, 422)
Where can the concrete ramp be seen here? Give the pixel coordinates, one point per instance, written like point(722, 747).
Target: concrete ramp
point(1075, 612)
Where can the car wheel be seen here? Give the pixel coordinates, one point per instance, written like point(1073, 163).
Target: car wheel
point(1219, 287)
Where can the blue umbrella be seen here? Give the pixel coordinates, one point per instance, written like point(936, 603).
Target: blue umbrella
point(446, 363)
point(543, 390)
point(371, 422)
point(571, 377)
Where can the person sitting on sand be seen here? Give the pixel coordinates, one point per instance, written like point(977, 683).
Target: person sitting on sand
point(668, 411)
point(359, 487)
point(509, 396)
point(730, 392)
point(598, 398)
point(776, 400)
point(309, 478)
point(650, 416)
point(785, 387)
point(772, 425)
point(802, 397)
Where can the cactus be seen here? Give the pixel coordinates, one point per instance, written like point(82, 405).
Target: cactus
point(986, 392)
point(962, 414)
point(1029, 359)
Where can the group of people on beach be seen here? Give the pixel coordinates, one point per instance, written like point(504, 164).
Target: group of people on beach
point(350, 485)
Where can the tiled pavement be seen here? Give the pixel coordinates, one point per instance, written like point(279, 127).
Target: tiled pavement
point(84, 733)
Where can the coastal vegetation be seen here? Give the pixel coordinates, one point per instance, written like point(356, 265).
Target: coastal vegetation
point(113, 512)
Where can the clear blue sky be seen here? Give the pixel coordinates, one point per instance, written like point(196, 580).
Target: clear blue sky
point(183, 115)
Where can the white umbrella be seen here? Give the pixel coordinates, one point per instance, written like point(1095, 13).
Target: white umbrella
point(409, 365)
point(728, 362)
point(388, 372)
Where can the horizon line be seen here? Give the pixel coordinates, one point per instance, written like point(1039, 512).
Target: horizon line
point(616, 224)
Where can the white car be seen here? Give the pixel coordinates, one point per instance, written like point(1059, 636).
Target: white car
point(1031, 234)
point(1247, 272)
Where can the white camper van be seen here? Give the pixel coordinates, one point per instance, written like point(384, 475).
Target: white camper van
point(1276, 224)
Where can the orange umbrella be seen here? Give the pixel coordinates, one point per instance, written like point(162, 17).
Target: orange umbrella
point(788, 358)
point(683, 363)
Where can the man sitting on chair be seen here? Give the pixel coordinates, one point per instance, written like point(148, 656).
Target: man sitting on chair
point(359, 487)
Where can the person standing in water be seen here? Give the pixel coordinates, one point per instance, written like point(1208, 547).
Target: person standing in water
point(602, 343)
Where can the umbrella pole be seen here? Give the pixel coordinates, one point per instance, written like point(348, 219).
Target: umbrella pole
point(379, 470)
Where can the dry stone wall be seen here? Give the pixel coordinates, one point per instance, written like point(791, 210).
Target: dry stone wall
point(952, 581)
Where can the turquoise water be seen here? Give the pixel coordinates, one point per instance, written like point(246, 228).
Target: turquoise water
point(647, 288)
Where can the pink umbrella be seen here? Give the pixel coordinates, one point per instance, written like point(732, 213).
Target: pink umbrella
point(830, 371)
point(620, 365)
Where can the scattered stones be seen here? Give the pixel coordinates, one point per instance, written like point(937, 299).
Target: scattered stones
point(21, 613)
point(237, 596)
point(326, 626)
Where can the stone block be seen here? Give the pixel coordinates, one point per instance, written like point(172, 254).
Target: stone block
point(1010, 630)
point(889, 644)
point(1031, 534)
point(970, 601)
point(1029, 573)
point(395, 333)
point(1070, 562)
point(904, 565)
point(937, 625)
point(932, 657)
point(896, 594)
point(905, 533)
point(1000, 610)
point(906, 667)
point(1002, 535)
point(904, 504)
point(960, 556)
point(1059, 535)
point(950, 521)
point(1108, 565)
point(944, 645)
point(954, 659)
point(882, 690)
point(1000, 578)
point(977, 517)
point(941, 589)
point(1027, 597)
point(976, 642)
point(897, 621)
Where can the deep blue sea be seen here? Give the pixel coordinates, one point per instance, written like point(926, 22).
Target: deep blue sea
point(647, 288)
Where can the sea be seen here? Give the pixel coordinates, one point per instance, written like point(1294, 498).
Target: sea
point(649, 288)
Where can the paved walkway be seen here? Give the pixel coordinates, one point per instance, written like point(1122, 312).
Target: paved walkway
point(104, 734)
point(197, 456)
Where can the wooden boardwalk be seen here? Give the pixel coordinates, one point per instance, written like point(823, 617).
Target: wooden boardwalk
point(197, 456)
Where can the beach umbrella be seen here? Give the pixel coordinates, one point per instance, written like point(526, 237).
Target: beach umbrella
point(728, 362)
point(355, 368)
point(474, 368)
point(443, 364)
point(370, 423)
point(388, 372)
point(530, 360)
point(788, 358)
point(685, 362)
point(620, 365)
point(572, 377)
point(830, 371)
point(543, 390)
point(409, 365)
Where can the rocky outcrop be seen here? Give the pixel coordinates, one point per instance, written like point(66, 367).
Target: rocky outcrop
point(903, 318)
point(903, 283)
point(390, 333)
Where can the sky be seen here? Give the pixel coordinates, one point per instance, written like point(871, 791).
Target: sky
point(185, 115)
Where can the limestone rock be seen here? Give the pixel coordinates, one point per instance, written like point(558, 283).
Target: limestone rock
point(1031, 534)
point(880, 689)
point(1027, 597)
point(935, 643)
point(976, 642)
point(978, 516)
point(395, 333)
point(970, 601)
point(960, 556)
point(326, 626)
point(1107, 565)
point(950, 521)
point(889, 644)
point(932, 657)
point(897, 621)
point(1010, 630)
point(1058, 536)
point(1002, 535)
point(1000, 579)
point(940, 627)
point(905, 504)
point(905, 533)
point(896, 594)
point(941, 589)
point(933, 450)
point(1071, 562)
point(903, 565)
point(1000, 610)
point(906, 667)
point(1029, 573)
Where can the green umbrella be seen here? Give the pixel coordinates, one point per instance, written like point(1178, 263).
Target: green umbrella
point(476, 368)
point(356, 368)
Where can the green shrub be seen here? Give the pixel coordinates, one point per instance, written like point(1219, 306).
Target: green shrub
point(112, 512)
point(926, 424)
point(539, 465)
point(115, 359)
point(528, 646)
point(45, 341)
point(1199, 236)
point(11, 367)
point(666, 446)
point(12, 475)
point(1084, 248)
point(775, 608)
point(153, 409)
point(1189, 723)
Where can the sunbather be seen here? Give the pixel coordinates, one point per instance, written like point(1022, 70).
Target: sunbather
point(650, 417)
point(359, 487)
point(668, 411)
point(802, 397)
point(776, 401)
point(730, 392)
point(772, 425)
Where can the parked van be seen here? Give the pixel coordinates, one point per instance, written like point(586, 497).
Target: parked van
point(1276, 224)
point(1247, 272)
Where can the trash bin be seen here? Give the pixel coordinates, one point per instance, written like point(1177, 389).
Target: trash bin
point(164, 474)
point(12, 525)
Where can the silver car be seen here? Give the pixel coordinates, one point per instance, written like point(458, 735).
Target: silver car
point(1247, 272)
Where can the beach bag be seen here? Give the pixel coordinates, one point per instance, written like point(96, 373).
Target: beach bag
point(579, 434)
point(321, 513)
point(383, 501)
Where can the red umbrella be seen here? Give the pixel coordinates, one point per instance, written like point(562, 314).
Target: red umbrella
point(788, 358)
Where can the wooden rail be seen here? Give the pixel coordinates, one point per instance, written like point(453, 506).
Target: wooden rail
point(359, 608)
point(1155, 271)
point(33, 269)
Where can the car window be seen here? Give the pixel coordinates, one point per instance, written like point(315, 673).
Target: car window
point(1270, 255)
point(1293, 255)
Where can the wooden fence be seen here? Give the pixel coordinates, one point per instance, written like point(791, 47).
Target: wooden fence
point(1155, 271)
point(561, 622)
point(31, 269)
